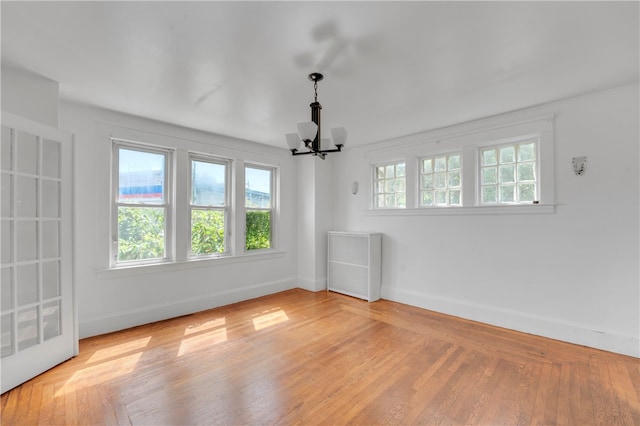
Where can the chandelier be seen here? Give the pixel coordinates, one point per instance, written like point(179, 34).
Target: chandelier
point(309, 131)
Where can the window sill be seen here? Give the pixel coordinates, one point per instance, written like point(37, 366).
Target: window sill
point(466, 211)
point(151, 268)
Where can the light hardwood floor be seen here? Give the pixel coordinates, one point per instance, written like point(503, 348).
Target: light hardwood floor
point(322, 358)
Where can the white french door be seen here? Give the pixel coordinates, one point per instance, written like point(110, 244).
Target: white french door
point(38, 325)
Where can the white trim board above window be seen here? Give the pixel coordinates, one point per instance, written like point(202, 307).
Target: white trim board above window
point(470, 140)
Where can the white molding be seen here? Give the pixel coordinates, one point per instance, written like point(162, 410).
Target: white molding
point(312, 285)
point(577, 333)
point(465, 211)
point(196, 262)
point(102, 324)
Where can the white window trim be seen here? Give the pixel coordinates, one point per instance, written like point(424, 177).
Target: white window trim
point(168, 205)
point(180, 234)
point(273, 209)
point(374, 179)
point(227, 208)
point(469, 138)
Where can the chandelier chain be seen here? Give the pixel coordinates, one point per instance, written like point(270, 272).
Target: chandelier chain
point(315, 89)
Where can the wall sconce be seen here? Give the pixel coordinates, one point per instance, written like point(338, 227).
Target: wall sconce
point(579, 165)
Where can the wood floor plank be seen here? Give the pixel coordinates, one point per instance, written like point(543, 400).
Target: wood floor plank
point(298, 357)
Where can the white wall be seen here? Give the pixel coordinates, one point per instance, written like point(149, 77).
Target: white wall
point(30, 95)
point(109, 300)
point(571, 275)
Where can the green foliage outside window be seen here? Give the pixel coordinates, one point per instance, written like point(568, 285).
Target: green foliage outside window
point(140, 233)
point(207, 231)
point(258, 229)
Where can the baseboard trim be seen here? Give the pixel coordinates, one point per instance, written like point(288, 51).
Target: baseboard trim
point(310, 285)
point(580, 334)
point(126, 319)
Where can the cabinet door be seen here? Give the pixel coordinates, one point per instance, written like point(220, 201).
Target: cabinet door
point(37, 309)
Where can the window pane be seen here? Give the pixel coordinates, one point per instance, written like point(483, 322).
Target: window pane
point(258, 229)
point(489, 175)
point(489, 157)
point(507, 154)
point(426, 166)
point(257, 187)
point(389, 172)
point(379, 172)
point(440, 164)
point(141, 177)
point(454, 179)
point(401, 200)
point(526, 192)
point(427, 198)
point(454, 197)
point(507, 193)
point(389, 200)
point(441, 197)
point(380, 200)
point(507, 174)
point(440, 180)
point(454, 162)
point(526, 171)
point(141, 233)
point(489, 194)
point(389, 186)
point(527, 151)
point(208, 181)
point(207, 231)
point(427, 182)
point(399, 185)
point(400, 169)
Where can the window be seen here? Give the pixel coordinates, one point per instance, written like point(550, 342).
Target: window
point(390, 186)
point(258, 207)
point(493, 166)
point(441, 181)
point(142, 206)
point(508, 173)
point(208, 206)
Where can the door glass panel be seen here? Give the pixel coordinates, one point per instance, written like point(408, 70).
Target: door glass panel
point(26, 197)
point(6, 339)
point(50, 158)
point(50, 279)
point(6, 230)
point(28, 333)
point(27, 277)
point(26, 234)
point(50, 238)
point(51, 319)
point(7, 149)
point(27, 153)
point(6, 197)
point(50, 197)
point(6, 295)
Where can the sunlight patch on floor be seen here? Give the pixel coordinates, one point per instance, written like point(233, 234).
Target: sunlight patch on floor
point(208, 325)
point(101, 372)
point(118, 350)
point(269, 319)
point(202, 341)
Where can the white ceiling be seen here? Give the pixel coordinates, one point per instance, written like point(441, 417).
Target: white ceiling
point(391, 68)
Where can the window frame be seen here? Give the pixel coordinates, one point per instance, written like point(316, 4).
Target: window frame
point(468, 138)
point(168, 204)
point(226, 209)
point(272, 209)
point(374, 184)
point(515, 142)
point(421, 173)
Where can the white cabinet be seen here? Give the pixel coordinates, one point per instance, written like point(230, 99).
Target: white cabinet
point(354, 261)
